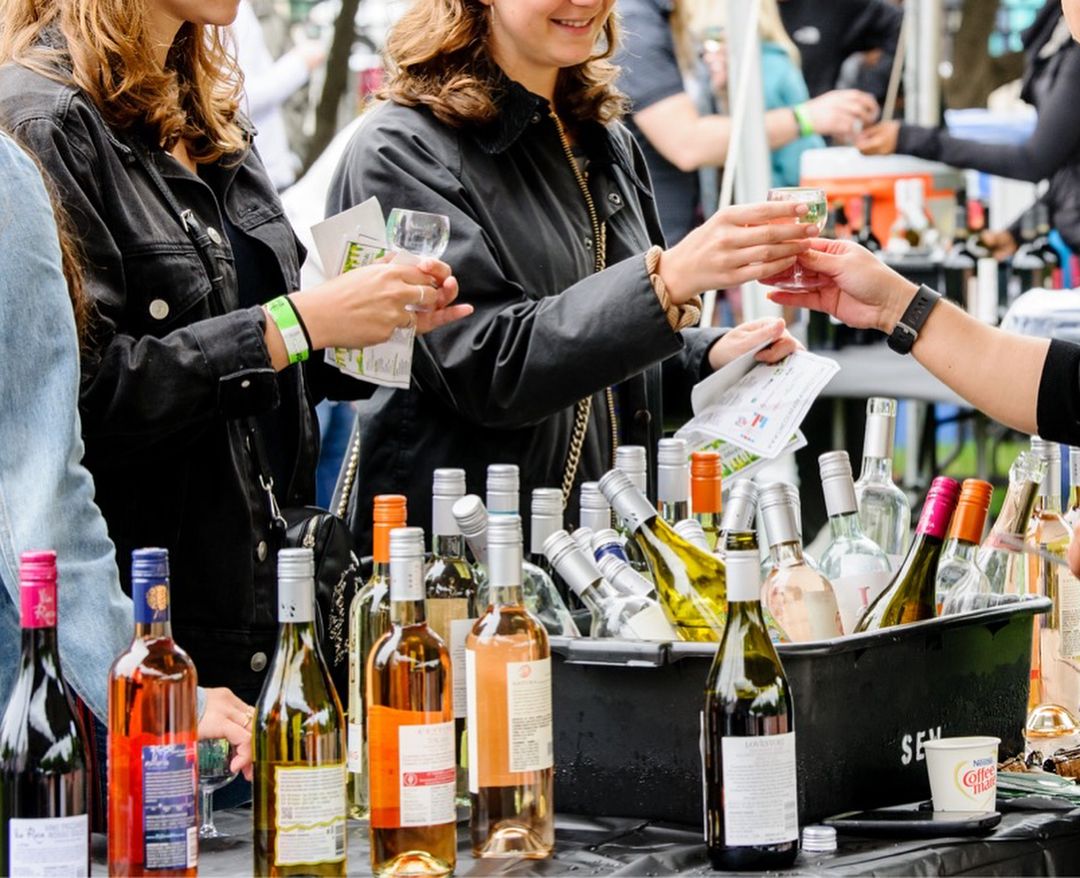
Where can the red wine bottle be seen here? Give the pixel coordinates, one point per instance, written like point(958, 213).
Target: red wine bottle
point(912, 595)
point(44, 826)
point(153, 769)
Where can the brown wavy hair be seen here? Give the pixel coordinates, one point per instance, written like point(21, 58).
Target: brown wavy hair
point(104, 48)
point(438, 56)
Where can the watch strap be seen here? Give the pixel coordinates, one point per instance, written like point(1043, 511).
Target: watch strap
point(283, 314)
point(906, 331)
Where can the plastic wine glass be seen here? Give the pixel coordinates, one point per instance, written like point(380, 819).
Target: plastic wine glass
point(215, 756)
point(418, 232)
point(797, 278)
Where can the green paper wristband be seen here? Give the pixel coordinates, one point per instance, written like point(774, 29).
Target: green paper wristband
point(806, 124)
point(284, 316)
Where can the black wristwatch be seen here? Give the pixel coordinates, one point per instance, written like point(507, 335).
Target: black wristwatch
point(907, 328)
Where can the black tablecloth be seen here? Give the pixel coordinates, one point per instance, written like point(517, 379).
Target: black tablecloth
point(1029, 841)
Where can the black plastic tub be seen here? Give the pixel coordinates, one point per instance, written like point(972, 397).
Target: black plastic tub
point(627, 713)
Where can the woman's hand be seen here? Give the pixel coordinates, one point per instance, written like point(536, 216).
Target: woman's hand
point(737, 244)
point(226, 716)
point(842, 112)
point(879, 140)
point(861, 291)
point(364, 306)
point(747, 336)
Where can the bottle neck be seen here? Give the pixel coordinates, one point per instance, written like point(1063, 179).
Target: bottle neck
point(151, 601)
point(39, 648)
point(543, 526)
point(876, 469)
point(961, 549)
point(1017, 508)
point(845, 526)
point(153, 630)
point(407, 612)
point(787, 554)
point(505, 563)
point(674, 510)
point(448, 546)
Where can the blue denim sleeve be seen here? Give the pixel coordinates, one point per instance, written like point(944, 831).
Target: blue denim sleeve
point(46, 495)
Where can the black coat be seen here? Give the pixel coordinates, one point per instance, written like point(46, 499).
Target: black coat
point(501, 386)
point(174, 368)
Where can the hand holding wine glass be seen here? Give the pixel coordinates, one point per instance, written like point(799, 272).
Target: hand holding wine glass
point(817, 207)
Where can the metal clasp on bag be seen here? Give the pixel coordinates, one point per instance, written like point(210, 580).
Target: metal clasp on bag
point(275, 510)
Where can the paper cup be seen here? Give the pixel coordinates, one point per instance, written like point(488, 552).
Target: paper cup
point(963, 773)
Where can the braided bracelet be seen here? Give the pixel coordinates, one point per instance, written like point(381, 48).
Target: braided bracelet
point(679, 317)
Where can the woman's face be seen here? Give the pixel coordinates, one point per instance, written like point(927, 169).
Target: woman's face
point(209, 12)
point(536, 38)
point(1071, 8)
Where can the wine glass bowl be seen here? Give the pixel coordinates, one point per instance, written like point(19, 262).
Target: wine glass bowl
point(215, 756)
point(797, 278)
point(418, 232)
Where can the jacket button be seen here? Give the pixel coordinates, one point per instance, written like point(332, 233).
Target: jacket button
point(643, 417)
point(159, 309)
point(615, 198)
point(258, 662)
point(214, 235)
point(536, 119)
point(262, 550)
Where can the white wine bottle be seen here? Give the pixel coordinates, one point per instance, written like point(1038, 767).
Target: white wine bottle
point(299, 809)
point(748, 730)
point(673, 480)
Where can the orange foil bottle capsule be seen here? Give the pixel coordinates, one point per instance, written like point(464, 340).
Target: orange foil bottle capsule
point(705, 493)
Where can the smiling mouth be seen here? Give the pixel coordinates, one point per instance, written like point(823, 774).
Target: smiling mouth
point(574, 25)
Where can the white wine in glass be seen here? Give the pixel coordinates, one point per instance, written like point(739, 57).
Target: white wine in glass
point(798, 278)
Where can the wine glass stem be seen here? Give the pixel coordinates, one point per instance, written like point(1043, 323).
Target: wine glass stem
point(206, 825)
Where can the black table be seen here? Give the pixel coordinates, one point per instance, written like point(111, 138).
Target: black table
point(1027, 842)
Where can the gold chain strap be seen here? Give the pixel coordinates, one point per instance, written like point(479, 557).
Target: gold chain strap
point(583, 409)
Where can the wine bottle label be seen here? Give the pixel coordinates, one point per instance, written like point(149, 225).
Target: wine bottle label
point(849, 592)
point(413, 770)
point(355, 748)
point(528, 714)
point(651, 624)
point(760, 798)
point(170, 783)
point(1069, 609)
point(37, 602)
point(459, 631)
point(309, 814)
point(50, 846)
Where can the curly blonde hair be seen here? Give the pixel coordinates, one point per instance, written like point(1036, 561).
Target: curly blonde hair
point(107, 52)
point(439, 56)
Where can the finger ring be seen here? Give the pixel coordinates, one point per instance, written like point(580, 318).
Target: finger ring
point(247, 719)
point(422, 291)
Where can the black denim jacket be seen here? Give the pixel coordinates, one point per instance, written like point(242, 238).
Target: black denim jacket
point(500, 387)
point(175, 367)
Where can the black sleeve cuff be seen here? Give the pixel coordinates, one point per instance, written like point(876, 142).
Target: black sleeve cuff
point(1058, 412)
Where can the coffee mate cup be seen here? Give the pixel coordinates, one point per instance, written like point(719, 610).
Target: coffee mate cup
point(963, 773)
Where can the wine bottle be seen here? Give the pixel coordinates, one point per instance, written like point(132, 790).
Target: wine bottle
point(299, 807)
point(471, 517)
point(547, 518)
point(960, 585)
point(706, 498)
point(369, 619)
point(541, 596)
point(624, 578)
point(613, 614)
point(748, 730)
point(412, 739)
point(1057, 634)
point(450, 590)
point(692, 531)
point(595, 512)
point(884, 510)
point(44, 823)
point(511, 745)
point(633, 460)
point(739, 513)
point(910, 597)
point(689, 582)
point(798, 597)
point(608, 542)
point(855, 565)
point(673, 480)
point(1072, 514)
point(153, 720)
point(1006, 569)
point(503, 489)
point(865, 235)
